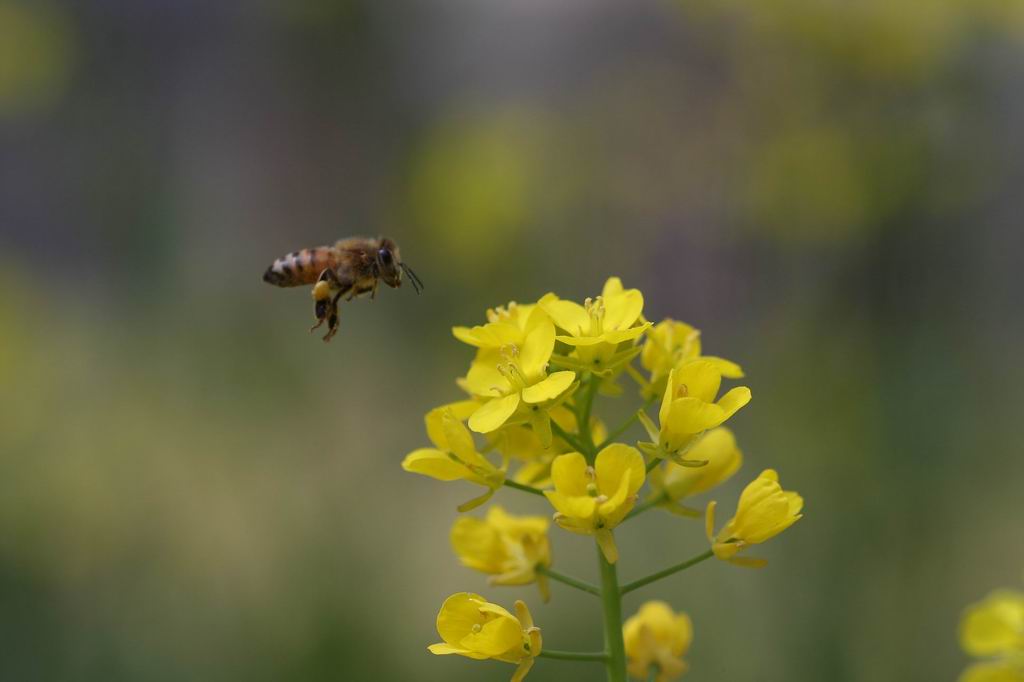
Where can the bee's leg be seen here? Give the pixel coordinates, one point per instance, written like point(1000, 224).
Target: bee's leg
point(373, 292)
point(321, 302)
point(332, 318)
point(323, 307)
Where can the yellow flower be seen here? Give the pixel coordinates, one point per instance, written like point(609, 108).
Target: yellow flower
point(454, 456)
point(509, 548)
point(718, 448)
point(995, 625)
point(473, 627)
point(671, 344)
point(656, 637)
point(689, 408)
point(518, 389)
point(593, 500)
point(597, 328)
point(505, 326)
point(764, 511)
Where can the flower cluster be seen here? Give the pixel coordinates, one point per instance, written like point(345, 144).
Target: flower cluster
point(993, 629)
point(527, 422)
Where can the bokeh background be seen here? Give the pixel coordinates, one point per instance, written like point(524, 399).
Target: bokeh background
point(194, 488)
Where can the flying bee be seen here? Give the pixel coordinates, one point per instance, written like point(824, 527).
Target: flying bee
point(352, 267)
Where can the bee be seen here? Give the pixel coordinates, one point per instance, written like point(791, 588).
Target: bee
point(352, 267)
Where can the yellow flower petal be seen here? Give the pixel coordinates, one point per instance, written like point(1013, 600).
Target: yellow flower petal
point(574, 506)
point(494, 413)
point(666, 399)
point(493, 335)
point(692, 415)
point(459, 613)
point(617, 462)
point(550, 388)
point(435, 464)
point(569, 474)
point(734, 400)
point(484, 379)
point(622, 335)
point(727, 368)
point(460, 441)
point(615, 508)
point(536, 351)
point(446, 649)
point(612, 286)
point(621, 310)
point(567, 315)
point(495, 637)
point(699, 379)
point(582, 340)
point(435, 419)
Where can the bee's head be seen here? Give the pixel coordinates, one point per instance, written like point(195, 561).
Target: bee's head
point(389, 263)
point(391, 267)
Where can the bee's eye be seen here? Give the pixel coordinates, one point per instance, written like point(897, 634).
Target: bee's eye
point(385, 256)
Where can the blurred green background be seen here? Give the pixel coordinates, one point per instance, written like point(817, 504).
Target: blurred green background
point(193, 488)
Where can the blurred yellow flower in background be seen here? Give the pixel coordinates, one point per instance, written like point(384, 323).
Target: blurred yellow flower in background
point(475, 628)
point(994, 627)
point(657, 638)
point(454, 456)
point(764, 511)
point(674, 483)
point(996, 671)
point(593, 500)
point(508, 548)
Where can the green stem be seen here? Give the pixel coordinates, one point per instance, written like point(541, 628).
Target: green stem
point(569, 580)
point(638, 378)
point(624, 426)
point(645, 505)
point(573, 655)
point(653, 464)
point(568, 438)
point(525, 488)
point(629, 587)
point(584, 418)
point(611, 598)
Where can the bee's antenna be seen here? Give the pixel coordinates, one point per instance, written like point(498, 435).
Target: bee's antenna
point(416, 283)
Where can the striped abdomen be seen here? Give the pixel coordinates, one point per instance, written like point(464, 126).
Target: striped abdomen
point(301, 267)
